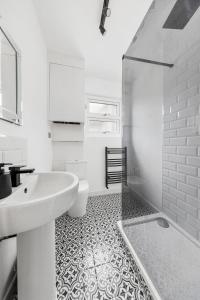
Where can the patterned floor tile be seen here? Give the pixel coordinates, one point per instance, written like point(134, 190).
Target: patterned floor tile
point(92, 260)
point(109, 279)
point(75, 284)
point(83, 258)
point(110, 249)
point(127, 291)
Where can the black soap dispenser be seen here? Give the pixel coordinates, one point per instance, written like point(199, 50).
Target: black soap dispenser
point(5, 182)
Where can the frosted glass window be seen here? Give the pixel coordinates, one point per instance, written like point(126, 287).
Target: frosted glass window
point(103, 116)
point(102, 126)
point(105, 109)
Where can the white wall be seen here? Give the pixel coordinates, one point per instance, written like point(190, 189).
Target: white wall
point(91, 149)
point(18, 18)
point(95, 146)
point(20, 21)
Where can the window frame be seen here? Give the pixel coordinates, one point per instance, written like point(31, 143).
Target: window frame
point(101, 117)
point(105, 102)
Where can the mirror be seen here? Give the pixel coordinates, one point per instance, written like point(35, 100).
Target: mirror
point(10, 104)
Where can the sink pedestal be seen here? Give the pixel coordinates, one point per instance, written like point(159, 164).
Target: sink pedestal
point(30, 212)
point(36, 263)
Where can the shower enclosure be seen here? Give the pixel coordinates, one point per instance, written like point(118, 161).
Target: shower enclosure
point(161, 130)
point(161, 113)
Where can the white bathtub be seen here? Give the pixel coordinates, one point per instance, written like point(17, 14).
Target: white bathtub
point(169, 258)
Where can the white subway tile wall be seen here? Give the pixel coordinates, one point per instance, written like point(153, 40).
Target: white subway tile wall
point(14, 156)
point(13, 150)
point(181, 145)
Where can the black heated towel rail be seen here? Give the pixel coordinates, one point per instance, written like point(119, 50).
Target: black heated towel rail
point(113, 176)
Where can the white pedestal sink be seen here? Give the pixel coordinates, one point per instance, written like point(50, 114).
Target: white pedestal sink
point(30, 212)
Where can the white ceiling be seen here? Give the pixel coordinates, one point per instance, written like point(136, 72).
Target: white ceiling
point(72, 27)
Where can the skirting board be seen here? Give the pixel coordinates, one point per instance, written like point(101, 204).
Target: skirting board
point(106, 192)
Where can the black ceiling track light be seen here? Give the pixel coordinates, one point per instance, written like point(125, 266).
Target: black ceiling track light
point(106, 12)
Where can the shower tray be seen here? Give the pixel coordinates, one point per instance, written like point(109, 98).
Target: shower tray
point(169, 258)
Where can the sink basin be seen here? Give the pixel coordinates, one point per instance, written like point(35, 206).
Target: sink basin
point(39, 200)
point(30, 212)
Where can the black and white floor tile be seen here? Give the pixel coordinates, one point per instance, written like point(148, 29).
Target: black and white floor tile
point(93, 261)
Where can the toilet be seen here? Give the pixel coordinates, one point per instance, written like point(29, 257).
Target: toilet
point(79, 168)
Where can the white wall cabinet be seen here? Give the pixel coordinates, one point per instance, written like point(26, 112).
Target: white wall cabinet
point(66, 93)
point(67, 132)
